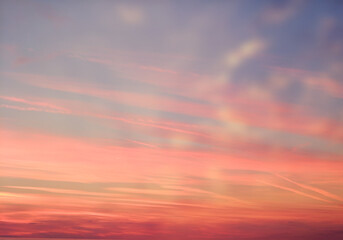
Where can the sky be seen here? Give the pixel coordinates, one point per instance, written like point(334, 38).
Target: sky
point(139, 120)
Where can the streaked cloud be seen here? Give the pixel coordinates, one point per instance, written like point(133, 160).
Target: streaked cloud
point(161, 120)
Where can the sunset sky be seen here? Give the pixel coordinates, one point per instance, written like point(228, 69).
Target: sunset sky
point(189, 120)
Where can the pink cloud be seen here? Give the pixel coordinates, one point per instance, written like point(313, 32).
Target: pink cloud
point(134, 99)
point(44, 105)
point(315, 80)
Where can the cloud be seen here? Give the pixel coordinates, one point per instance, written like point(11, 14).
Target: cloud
point(44, 106)
point(296, 191)
point(143, 100)
point(129, 14)
point(312, 79)
point(244, 52)
point(314, 189)
point(278, 12)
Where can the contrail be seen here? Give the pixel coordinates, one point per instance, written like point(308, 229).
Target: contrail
point(297, 192)
point(317, 190)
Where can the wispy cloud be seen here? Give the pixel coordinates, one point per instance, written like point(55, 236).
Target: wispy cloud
point(313, 189)
point(51, 108)
point(316, 80)
point(139, 121)
point(244, 52)
point(297, 192)
point(43, 105)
